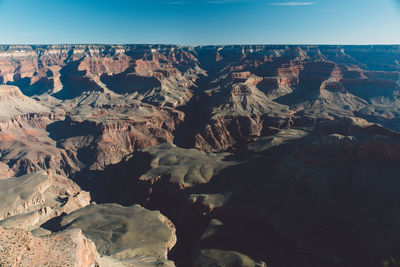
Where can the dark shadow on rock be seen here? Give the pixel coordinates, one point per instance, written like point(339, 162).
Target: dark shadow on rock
point(43, 85)
point(118, 183)
point(60, 130)
point(54, 224)
point(310, 80)
point(75, 82)
point(197, 115)
point(128, 82)
point(21, 83)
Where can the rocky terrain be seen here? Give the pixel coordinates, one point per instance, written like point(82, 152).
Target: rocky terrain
point(199, 156)
point(30, 200)
point(132, 235)
point(68, 248)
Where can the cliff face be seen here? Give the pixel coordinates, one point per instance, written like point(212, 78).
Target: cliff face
point(272, 148)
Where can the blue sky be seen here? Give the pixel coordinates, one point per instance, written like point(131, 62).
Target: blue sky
point(200, 21)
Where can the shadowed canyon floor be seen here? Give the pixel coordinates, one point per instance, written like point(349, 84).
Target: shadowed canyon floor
point(156, 155)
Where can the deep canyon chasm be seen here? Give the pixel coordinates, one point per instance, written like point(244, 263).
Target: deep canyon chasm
point(162, 155)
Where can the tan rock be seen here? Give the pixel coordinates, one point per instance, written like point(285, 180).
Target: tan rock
point(30, 200)
point(132, 235)
point(68, 248)
point(184, 168)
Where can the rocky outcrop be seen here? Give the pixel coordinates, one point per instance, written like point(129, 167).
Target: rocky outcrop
point(68, 248)
point(224, 132)
point(99, 129)
point(317, 82)
point(103, 128)
point(31, 200)
point(132, 236)
point(14, 103)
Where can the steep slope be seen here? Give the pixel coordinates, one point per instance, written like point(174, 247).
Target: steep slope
point(25, 144)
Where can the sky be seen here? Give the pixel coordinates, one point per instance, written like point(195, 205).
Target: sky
point(200, 22)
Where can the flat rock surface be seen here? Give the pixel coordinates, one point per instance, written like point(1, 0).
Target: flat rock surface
point(130, 235)
point(184, 167)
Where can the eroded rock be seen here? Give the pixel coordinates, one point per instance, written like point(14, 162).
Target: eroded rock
point(32, 199)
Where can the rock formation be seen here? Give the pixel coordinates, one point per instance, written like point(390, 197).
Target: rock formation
point(102, 128)
point(132, 236)
point(31, 200)
point(25, 144)
point(258, 155)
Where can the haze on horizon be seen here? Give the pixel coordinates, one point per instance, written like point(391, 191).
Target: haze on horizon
point(200, 22)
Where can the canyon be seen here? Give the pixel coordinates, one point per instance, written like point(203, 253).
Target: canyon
point(164, 155)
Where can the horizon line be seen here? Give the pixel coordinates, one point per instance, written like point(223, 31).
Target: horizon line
point(198, 45)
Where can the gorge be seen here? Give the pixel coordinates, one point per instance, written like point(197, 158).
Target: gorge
point(163, 155)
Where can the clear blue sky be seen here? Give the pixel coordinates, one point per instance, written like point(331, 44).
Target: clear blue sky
point(200, 21)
